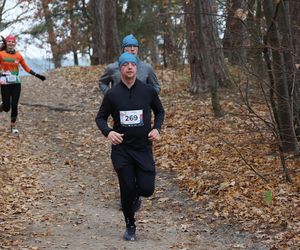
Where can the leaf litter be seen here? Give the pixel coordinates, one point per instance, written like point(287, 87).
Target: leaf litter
point(195, 147)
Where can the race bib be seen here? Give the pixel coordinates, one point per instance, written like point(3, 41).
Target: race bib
point(11, 79)
point(131, 118)
point(3, 80)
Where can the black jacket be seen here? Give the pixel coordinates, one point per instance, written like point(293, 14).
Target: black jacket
point(119, 100)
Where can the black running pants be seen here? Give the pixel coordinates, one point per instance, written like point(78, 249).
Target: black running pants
point(136, 174)
point(10, 98)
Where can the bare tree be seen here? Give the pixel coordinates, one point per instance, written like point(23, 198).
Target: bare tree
point(198, 81)
point(196, 49)
point(18, 17)
point(55, 48)
point(255, 22)
point(170, 52)
point(104, 31)
point(71, 5)
point(277, 53)
point(201, 50)
point(235, 35)
point(295, 22)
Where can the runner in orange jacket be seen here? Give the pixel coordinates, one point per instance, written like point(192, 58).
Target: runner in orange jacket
point(10, 61)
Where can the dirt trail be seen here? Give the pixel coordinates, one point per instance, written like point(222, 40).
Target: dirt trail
point(76, 205)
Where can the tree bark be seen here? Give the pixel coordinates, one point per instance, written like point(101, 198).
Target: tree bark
point(74, 30)
point(295, 26)
point(106, 45)
point(275, 16)
point(294, 7)
point(213, 85)
point(235, 35)
point(57, 55)
point(255, 24)
point(199, 74)
point(198, 82)
point(170, 52)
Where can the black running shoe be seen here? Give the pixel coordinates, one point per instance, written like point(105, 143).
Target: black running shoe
point(130, 233)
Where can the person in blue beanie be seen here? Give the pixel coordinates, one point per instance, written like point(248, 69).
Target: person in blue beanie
point(131, 103)
point(145, 72)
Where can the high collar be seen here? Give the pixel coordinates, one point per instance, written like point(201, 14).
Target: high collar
point(132, 86)
point(11, 51)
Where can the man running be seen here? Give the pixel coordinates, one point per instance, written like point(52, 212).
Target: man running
point(145, 71)
point(130, 104)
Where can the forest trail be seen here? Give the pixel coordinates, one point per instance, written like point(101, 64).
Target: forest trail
point(68, 192)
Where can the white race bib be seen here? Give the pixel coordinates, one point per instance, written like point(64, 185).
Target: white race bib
point(11, 78)
point(131, 118)
point(8, 78)
point(3, 80)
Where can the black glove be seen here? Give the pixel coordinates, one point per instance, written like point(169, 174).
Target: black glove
point(43, 78)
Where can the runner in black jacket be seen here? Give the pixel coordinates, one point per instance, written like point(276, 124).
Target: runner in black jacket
point(130, 104)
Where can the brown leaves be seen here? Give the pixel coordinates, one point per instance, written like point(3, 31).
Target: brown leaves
point(204, 152)
point(18, 189)
point(214, 160)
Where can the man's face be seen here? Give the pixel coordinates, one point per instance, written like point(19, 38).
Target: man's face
point(131, 49)
point(128, 70)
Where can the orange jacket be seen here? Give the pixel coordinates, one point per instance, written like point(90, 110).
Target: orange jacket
point(11, 62)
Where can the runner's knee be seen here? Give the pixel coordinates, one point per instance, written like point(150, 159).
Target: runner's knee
point(146, 191)
point(5, 108)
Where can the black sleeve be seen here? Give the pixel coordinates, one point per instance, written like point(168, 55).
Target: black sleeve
point(32, 72)
point(152, 79)
point(158, 110)
point(106, 79)
point(41, 77)
point(102, 116)
point(104, 82)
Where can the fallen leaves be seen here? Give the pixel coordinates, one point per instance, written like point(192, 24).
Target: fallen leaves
point(215, 160)
point(205, 154)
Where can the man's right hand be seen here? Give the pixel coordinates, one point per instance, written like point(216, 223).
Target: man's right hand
point(115, 138)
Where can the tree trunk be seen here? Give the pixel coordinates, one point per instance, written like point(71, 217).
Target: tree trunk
point(255, 22)
point(153, 48)
point(196, 49)
point(235, 35)
point(74, 30)
point(295, 23)
point(213, 85)
point(170, 52)
point(133, 10)
point(275, 16)
point(56, 54)
point(198, 82)
point(294, 7)
point(104, 31)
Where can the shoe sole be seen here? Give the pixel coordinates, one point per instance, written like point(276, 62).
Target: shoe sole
point(128, 238)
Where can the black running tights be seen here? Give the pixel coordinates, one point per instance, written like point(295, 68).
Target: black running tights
point(134, 182)
point(10, 98)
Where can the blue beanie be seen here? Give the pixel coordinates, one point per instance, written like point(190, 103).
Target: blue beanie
point(129, 40)
point(127, 57)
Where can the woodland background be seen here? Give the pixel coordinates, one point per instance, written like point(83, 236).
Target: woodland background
point(233, 120)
